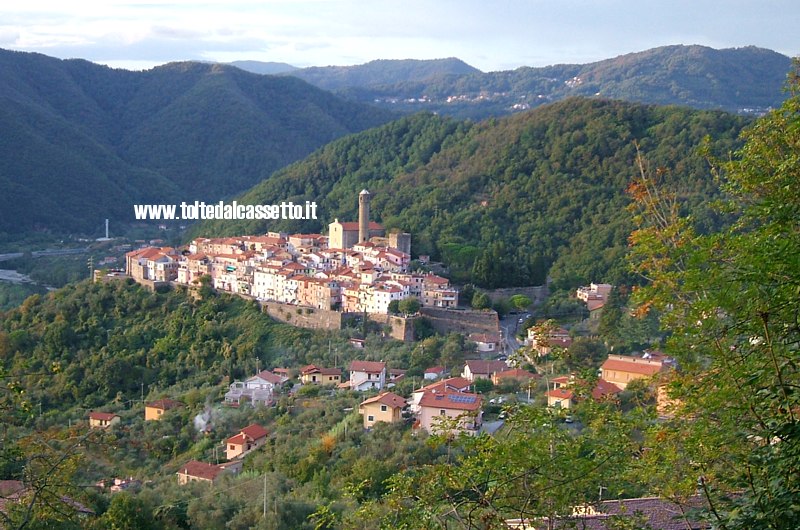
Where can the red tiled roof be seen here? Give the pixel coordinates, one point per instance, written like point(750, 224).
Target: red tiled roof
point(486, 367)
point(164, 404)
point(604, 389)
point(387, 398)
point(268, 376)
point(102, 416)
point(451, 400)
point(634, 365)
point(455, 383)
point(238, 439)
point(255, 431)
point(372, 367)
point(195, 468)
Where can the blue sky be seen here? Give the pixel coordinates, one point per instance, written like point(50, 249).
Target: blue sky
point(490, 35)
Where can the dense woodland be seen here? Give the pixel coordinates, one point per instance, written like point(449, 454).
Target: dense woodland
point(509, 201)
point(85, 142)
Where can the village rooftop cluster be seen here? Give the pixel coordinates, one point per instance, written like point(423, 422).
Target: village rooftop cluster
point(355, 268)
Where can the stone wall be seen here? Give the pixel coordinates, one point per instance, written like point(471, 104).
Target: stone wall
point(303, 317)
point(446, 321)
point(402, 328)
point(537, 294)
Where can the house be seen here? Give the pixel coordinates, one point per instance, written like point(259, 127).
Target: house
point(155, 409)
point(622, 369)
point(564, 395)
point(434, 372)
point(316, 375)
point(462, 408)
point(595, 291)
point(555, 338)
point(251, 437)
point(196, 471)
point(454, 384)
point(477, 369)
point(103, 420)
point(486, 342)
point(258, 389)
point(367, 375)
point(385, 407)
point(514, 374)
point(395, 376)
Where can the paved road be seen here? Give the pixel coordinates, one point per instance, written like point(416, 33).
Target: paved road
point(45, 252)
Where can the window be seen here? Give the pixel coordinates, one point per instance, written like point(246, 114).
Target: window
point(442, 412)
point(383, 408)
point(370, 418)
point(233, 448)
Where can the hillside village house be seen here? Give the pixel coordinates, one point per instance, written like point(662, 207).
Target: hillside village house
point(103, 420)
point(154, 264)
point(543, 345)
point(478, 369)
point(256, 390)
point(156, 409)
point(595, 296)
point(622, 369)
point(486, 342)
point(367, 375)
point(196, 471)
point(250, 438)
point(564, 396)
point(523, 377)
point(453, 384)
point(316, 375)
point(386, 407)
point(433, 373)
point(438, 409)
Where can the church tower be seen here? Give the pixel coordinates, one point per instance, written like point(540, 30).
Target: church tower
point(363, 216)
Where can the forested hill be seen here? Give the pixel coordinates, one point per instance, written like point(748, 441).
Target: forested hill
point(742, 80)
point(82, 142)
point(505, 201)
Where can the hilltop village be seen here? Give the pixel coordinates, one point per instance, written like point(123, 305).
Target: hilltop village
point(357, 267)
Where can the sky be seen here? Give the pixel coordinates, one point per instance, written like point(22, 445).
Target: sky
point(489, 35)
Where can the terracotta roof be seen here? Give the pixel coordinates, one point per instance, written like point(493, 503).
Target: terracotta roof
point(313, 369)
point(560, 393)
point(485, 337)
point(486, 367)
point(102, 416)
point(255, 431)
point(434, 370)
point(237, 439)
point(195, 468)
point(268, 376)
point(633, 365)
point(164, 404)
point(455, 383)
point(605, 389)
point(451, 400)
point(387, 398)
point(367, 366)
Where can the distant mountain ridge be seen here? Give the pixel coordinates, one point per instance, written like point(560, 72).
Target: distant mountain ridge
point(744, 80)
point(83, 142)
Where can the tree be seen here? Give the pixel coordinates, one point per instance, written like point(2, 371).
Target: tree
point(520, 302)
point(481, 301)
point(730, 301)
point(394, 307)
point(409, 306)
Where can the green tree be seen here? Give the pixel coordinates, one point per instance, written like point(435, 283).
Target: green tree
point(730, 300)
point(481, 301)
point(520, 302)
point(409, 306)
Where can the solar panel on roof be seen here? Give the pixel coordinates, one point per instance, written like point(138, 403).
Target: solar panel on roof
point(462, 399)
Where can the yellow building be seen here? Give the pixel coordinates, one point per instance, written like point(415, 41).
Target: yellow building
point(386, 407)
point(154, 410)
point(315, 375)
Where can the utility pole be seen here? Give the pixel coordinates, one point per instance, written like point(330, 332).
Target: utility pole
point(90, 265)
point(265, 496)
